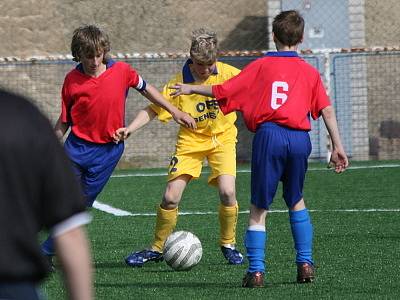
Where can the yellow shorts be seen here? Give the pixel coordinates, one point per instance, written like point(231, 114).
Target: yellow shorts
point(220, 152)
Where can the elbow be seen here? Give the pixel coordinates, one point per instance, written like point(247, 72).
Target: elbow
point(328, 112)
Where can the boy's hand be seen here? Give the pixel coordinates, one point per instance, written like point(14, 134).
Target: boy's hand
point(120, 135)
point(184, 119)
point(180, 89)
point(338, 160)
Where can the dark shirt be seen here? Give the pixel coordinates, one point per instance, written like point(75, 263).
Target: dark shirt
point(37, 188)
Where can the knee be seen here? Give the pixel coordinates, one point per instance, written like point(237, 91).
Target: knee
point(170, 200)
point(228, 196)
point(299, 205)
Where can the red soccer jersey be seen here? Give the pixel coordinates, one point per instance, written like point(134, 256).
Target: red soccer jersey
point(95, 107)
point(280, 88)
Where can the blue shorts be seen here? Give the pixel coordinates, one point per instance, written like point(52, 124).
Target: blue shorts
point(93, 163)
point(279, 154)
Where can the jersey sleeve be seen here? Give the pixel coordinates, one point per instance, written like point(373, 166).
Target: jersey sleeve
point(320, 99)
point(66, 103)
point(233, 93)
point(135, 80)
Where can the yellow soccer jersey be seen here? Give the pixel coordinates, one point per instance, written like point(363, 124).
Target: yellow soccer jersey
point(205, 110)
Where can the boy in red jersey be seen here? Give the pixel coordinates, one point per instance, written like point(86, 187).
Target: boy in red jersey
point(277, 95)
point(93, 105)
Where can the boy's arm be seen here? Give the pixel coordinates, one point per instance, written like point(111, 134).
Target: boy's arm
point(73, 251)
point(143, 117)
point(188, 89)
point(60, 128)
point(182, 118)
point(339, 158)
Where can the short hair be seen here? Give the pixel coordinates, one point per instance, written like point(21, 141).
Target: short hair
point(88, 40)
point(288, 27)
point(204, 47)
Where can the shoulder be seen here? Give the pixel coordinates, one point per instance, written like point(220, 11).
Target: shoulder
point(72, 74)
point(227, 67)
point(178, 77)
point(121, 65)
point(124, 69)
point(227, 70)
point(307, 66)
point(72, 77)
point(309, 69)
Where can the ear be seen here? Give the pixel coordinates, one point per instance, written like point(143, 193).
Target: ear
point(273, 37)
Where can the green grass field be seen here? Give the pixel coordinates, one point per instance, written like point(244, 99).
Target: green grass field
point(356, 218)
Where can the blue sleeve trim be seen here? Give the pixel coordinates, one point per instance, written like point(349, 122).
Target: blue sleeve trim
point(143, 87)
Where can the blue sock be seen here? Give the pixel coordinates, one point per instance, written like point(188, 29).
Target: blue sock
point(302, 232)
point(48, 246)
point(255, 246)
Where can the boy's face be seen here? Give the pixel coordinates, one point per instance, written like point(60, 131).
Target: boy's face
point(202, 70)
point(93, 64)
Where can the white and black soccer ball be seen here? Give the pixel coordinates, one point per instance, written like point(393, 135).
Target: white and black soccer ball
point(182, 250)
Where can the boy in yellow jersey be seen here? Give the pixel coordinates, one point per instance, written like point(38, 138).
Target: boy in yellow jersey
point(214, 139)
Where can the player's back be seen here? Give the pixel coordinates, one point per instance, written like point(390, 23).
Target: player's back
point(280, 87)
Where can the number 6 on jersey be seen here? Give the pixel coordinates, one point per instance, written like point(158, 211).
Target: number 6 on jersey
point(278, 99)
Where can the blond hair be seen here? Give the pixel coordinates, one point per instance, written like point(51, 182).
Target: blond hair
point(204, 47)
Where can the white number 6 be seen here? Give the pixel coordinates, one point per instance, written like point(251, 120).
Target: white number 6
point(277, 99)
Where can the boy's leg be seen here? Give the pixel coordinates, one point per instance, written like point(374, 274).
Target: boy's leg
point(255, 242)
point(181, 170)
point(302, 232)
point(293, 181)
point(167, 215)
point(165, 224)
point(222, 160)
point(267, 165)
point(228, 215)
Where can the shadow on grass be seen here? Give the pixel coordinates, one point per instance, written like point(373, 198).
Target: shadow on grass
point(188, 284)
point(109, 265)
point(149, 267)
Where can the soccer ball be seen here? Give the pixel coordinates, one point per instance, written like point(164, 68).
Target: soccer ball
point(182, 250)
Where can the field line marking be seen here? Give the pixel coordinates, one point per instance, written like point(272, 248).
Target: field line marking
point(111, 210)
point(123, 213)
point(248, 171)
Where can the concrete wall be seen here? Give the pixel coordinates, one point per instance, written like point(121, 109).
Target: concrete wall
point(44, 27)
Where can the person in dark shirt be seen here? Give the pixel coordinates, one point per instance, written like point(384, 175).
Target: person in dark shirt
point(38, 190)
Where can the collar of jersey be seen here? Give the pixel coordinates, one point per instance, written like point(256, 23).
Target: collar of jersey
point(282, 53)
point(187, 74)
point(109, 64)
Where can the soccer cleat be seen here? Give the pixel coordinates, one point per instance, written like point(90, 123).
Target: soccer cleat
point(233, 256)
point(253, 280)
point(305, 273)
point(139, 258)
